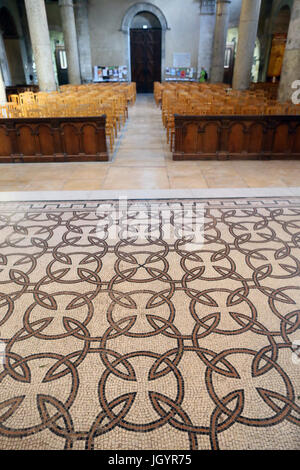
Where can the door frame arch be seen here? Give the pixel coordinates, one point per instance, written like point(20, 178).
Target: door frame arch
point(126, 24)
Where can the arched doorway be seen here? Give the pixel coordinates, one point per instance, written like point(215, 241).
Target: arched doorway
point(279, 38)
point(150, 25)
point(13, 70)
point(145, 51)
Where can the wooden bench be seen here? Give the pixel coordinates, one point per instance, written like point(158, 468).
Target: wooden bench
point(236, 137)
point(53, 139)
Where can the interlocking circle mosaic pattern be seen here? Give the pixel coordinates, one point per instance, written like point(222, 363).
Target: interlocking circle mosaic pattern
point(144, 344)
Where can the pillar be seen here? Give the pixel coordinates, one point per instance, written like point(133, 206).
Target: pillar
point(291, 61)
point(246, 44)
point(4, 62)
point(220, 39)
point(3, 98)
point(207, 28)
point(70, 37)
point(40, 40)
point(84, 42)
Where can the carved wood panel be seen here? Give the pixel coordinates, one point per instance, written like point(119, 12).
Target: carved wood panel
point(236, 137)
point(53, 139)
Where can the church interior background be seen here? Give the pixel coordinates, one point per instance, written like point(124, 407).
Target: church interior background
point(149, 225)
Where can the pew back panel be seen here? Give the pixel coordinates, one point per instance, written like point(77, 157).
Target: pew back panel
point(236, 137)
point(53, 139)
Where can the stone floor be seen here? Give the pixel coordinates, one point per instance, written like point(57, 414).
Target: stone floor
point(142, 160)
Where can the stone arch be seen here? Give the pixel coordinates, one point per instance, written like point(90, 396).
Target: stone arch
point(126, 23)
point(282, 4)
point(139, 8)
point(284, 14)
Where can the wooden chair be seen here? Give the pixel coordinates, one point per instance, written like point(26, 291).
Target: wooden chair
point(293, 109)
point(274, 110)
point(249, 110)
point(14, 99)
point(27, 98)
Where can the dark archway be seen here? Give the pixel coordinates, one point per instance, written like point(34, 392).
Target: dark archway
point(145, 18)
point(7, 24)
point(11, 56)
point(282, 20)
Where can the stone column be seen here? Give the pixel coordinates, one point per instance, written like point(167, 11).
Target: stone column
point(26, 46)
point(84, 41)
point(207, 28)
point(3, 99)
point(4, 62)
point(246, 44)
point(291, 61)
point(220, 39)
point(40, 40)
point(70, 37)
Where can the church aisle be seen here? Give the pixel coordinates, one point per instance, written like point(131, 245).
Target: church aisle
point(142, 149)
point(144, 152)
point(142, 161)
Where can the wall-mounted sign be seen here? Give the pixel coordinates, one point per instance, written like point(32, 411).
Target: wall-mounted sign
point(112, 74)
point(180, 73)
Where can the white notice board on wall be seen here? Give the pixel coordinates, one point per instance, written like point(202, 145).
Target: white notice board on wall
point(181, 60)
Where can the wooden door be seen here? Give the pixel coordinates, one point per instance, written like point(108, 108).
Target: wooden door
point(145, 58)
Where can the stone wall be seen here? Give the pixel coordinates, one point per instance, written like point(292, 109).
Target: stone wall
point(186, 32)
point(110, 45)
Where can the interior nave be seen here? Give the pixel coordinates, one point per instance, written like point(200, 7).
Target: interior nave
point(149, 229)
point(142, 160)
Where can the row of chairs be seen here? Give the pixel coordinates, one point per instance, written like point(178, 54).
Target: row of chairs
point(215, 99)
point(270, 89)
point(76, 101)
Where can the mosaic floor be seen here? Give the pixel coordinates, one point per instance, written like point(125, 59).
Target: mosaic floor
point(182, 333)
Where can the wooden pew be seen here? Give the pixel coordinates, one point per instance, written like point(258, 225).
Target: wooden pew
point(236, 137)
point(53, 139)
